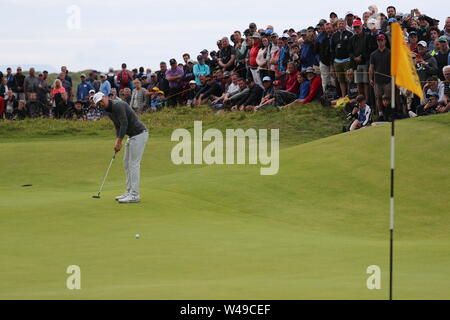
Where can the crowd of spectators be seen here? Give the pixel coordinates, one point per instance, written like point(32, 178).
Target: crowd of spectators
point(339, 62)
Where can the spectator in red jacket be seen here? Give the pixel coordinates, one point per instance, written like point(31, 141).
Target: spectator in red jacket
point(292, 84)
point(315, 90)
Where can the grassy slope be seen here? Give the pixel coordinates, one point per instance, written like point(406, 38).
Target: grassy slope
point(227, 232)
point(297, 125)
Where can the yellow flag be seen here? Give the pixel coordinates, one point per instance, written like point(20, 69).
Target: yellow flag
point(402, 66)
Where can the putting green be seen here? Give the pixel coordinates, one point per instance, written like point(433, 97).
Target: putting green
point(225, 232)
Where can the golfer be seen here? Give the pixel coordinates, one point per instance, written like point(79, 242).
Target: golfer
point(126, 123)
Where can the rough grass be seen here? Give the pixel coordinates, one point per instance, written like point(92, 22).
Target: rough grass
point(297, 124)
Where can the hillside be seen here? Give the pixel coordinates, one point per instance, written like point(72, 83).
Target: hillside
point(225, 232)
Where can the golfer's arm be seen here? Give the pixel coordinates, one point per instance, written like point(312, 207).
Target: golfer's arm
point(123, 124)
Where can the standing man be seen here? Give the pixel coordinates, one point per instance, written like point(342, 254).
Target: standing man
point(175, 76)
point(126, 122)
point(380, 74)
point(359, 53)
point(341, 55)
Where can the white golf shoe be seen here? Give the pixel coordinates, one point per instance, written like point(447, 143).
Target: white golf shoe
point(125, 195)
point(130, 199)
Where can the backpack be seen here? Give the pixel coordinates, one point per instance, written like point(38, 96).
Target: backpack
point(124, 79)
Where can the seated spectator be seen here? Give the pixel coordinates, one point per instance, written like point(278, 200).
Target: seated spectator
point(292, 84)
point(315, 90)
point(21, 112)
point(192, 92)
point(443, 107)
point(62, 104)
point(34, 107)
point(362, 112)
point(126, 95)
point(253, 99)
point(11, 104)
point(268, 93)
point(93, 112)
point(75, 112)
point(211, 90)
point(232, 89)
point(201, 69)
point(232, 99)
point(429, 108)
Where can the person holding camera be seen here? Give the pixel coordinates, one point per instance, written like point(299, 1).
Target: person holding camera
point(362, 112)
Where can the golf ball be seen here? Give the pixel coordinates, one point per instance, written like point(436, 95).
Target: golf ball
point(138, 236)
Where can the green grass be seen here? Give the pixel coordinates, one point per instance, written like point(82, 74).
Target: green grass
point(225, 232)
point(297, 125)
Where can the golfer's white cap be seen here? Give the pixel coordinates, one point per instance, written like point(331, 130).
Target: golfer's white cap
point(98, 97)
point(266, 78)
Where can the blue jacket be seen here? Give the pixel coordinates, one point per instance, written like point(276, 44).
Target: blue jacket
point(83, 90)
point(304, 90)
point(282, 61)
point(105, 88)
point(200, 70)
point(308, 54)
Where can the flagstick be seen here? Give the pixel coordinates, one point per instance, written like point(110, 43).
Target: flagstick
point(391, 254)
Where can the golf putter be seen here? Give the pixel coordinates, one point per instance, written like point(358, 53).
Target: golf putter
point(106, 176)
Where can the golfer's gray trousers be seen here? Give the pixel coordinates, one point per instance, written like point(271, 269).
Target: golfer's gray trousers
point(134, 149)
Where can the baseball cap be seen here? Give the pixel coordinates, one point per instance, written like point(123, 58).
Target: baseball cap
point(333, 14)
point(266, 78)
point(252, 25)
point(172, 61)
point(199, 57)
point(256, 35)
point(412, 34)
point(98, 97)
point(191, 61)
point(310, 70)
point(303, 32)
point(285, 36)
point(434, 94)
point(321, 22)
point(357, 23)
point(290, 40)
point(192, 82)
point(155, 89)
point(102, 75)
point(349, 13)
point(82, 75)
point(227, 74)
point(269, 31)
point(275, 35)
point(204, 51)
point(422, 43)
point(161, 92)
point(392, 20)
point(153, 75)
point(381, 37)
point(91, 91)
point(443, 39)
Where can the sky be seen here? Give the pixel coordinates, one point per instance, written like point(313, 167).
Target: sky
point(98, 34)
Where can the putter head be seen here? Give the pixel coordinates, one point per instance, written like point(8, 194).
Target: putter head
point(96, 197)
